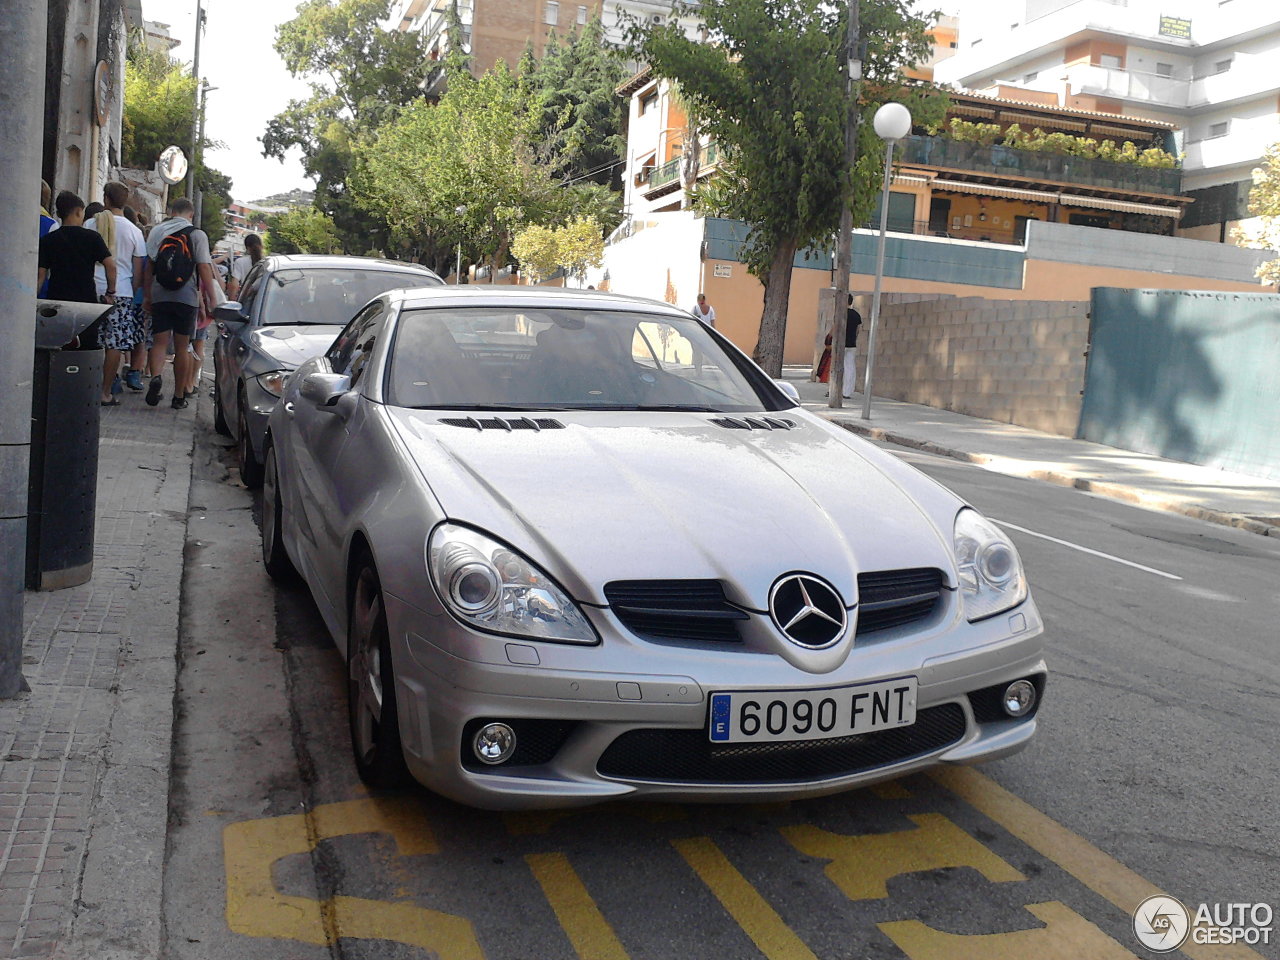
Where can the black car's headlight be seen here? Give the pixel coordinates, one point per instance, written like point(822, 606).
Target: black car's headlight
point(273, 382)
point(991, 577)
point(490, 586)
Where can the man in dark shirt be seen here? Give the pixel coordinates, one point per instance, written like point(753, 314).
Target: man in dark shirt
point(67, 259)
point(852, 321)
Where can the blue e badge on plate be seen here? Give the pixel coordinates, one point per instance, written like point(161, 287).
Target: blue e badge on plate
point(720, 716)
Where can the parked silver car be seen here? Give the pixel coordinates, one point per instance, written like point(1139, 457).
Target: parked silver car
point(578, 547)
point(288, 311)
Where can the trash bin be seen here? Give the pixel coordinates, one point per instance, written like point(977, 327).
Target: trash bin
point(62, 485)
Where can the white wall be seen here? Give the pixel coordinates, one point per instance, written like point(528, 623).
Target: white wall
point(661, 262)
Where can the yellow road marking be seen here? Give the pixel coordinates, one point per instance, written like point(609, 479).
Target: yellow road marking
point(862, 865)
point(585, 925)
point(257, 909)
point(892, 790)
point(1065, 936)
point(743, 902)
point(1099, 872)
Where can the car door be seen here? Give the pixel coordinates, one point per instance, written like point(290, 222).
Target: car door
point(319, 438)
point(231, 349)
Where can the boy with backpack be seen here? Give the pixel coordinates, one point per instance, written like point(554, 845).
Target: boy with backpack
point(178, 273)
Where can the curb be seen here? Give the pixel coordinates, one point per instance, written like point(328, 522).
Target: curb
point(1103, 488)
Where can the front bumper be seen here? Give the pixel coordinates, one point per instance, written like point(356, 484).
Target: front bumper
point(449, 678)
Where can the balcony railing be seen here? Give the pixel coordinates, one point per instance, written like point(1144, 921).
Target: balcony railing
point(670, 171)
point(1001, 161)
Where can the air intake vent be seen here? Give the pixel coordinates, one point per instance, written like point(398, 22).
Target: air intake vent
point(499, 423)
point(753, 423)
point(679, 610)
point(893, 598)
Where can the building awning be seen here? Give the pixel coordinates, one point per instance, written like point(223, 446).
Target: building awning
point(1041, 120)
point(1124, 206)
point(987, 190)
point(910, 179)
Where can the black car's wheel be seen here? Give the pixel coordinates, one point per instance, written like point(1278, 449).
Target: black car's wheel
point(371, 692)
point(274, 556)
point(250, 468)
point(219, 415)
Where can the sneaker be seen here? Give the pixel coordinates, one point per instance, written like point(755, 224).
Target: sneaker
point(153, 390)
point(189, 394)
point(178, 403)
point(116, 386)
point(133, 380)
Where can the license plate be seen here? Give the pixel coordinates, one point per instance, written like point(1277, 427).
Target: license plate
point(770, 716)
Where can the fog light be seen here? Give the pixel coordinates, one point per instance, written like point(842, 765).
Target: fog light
point(1019, 698)
point(495, 743)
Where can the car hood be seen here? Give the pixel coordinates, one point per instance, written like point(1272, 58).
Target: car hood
point(291, 346)
point(638, 496)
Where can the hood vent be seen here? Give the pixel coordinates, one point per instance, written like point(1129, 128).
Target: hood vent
point(753, 423)
point(500, 423)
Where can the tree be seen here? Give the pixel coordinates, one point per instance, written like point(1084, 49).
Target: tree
point(361, 76)
point(302, 230)
point(1264, 203)
point(573, 247)
point(770, 90)
point(536, 248)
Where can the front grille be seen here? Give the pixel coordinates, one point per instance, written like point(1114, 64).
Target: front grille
point(503, 423)
point(537, 741)
point(688, 756)
point(892, 598)
point(675, 609)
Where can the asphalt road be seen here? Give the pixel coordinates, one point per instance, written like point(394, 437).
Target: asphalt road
point(1154, 770)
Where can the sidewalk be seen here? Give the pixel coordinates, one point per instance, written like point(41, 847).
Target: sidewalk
point(84, 785)
point(1233, 499)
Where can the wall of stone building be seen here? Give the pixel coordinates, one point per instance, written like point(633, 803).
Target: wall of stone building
point(146, 192)
point(1017, 361)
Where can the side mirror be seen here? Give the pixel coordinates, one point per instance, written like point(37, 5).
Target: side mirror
point(230, 312)
point(789, 388)
point(324, 390)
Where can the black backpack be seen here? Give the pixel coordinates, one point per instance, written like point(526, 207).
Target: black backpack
point(175, 262)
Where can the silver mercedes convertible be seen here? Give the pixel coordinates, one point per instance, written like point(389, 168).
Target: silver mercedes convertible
point(576, 546)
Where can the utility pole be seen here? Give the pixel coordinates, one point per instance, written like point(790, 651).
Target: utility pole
point(198, 199)
point(844, 249)
point(23, 26)
point(195, 125)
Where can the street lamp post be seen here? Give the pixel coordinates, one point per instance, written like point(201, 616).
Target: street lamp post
point(461, 211)
point(892, 123)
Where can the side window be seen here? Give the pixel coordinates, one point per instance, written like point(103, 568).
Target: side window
point(252, 287)
point(351, 351)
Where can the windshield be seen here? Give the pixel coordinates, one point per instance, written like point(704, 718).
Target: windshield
point(517, 358)
point(331, 295)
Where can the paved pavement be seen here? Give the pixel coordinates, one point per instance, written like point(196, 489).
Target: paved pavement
point(1234, 499)
point(84, 786)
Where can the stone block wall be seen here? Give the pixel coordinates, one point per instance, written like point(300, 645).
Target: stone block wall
point(1017, 361)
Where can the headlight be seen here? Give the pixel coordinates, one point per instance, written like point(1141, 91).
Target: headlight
point(991, 577)
point(490, 586)
point(273, 382)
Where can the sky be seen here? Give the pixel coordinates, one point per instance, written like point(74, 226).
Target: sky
point(253, 86)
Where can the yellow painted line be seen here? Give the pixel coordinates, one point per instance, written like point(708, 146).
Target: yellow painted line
point(588, 931)
point(1065, 936)
point(892, 790)
point(752, 912)
point(1101, 873)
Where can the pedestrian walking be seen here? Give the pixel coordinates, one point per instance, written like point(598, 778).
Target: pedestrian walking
point(122, 328)
point(704, 311)
point(179, 273)
point(852, 321)
point(47, 223)
point(240, 269)
point(67, 258)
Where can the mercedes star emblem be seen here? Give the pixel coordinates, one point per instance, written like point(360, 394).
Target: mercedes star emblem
point(808, 611)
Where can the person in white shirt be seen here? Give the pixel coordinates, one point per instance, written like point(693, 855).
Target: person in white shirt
point(122, 329)
point(240, 269)
point(704, 311)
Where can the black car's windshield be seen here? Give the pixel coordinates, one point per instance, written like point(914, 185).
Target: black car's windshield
point(330, 295)
point(515, 358)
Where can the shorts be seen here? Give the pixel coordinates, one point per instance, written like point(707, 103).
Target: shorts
point(178, 317)
point(122, 328)
point(202, 333)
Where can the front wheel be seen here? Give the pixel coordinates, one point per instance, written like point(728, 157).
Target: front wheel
point(274, 556)
point(250, 468)
point(371, 691)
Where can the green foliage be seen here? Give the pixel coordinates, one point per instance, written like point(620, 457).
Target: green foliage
point(1059, 144)
point(361, 76)
point(536, 248)
point(302, 230)
point(966, 132)
point(770, 89)
point(1264, 203)
point(573, 247)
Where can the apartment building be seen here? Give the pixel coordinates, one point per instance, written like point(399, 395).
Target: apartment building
point(1206, 66)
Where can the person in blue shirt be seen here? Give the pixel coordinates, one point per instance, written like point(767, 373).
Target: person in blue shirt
point(47, 223)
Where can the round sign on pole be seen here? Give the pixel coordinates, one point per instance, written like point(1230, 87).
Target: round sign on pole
point(103, 82)
point(172, 165)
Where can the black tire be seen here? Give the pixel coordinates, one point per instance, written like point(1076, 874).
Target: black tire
point(219, 415)
point(250, 468)
point(371, 693)
point(274, 556)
